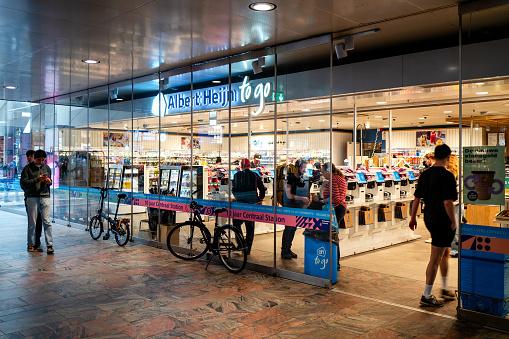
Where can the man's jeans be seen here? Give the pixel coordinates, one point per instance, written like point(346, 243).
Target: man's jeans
point(34, 207)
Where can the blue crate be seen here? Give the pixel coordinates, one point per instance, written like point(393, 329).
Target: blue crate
point(484, 277)
point(316, 259)
point(484, 305)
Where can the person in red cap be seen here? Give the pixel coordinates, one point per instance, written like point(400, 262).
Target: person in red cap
point(247, 187)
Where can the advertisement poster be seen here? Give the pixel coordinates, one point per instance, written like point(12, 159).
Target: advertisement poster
point(116, 139)
point(430, 138)
point(185, 143)
point(484, 175)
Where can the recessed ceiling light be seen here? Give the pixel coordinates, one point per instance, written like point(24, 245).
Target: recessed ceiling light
point(422, 118)
point(386, 126)
point(119, 99)
point(381, 102)
point(305, 110)
point(91, 61)
point(10, 87)
point(279, 129)
point(261, 126)
point(480, 83)
point(245, 115)
point(321, 120)
point(378, 116)
point(481, 93)
point(308, 128)
point(234, 125)
point(449, 122)
point(216, 81)
point(262, 6)
point(447, 111)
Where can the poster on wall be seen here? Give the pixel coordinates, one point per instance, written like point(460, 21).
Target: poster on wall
point(430, 138)
point(117, 139)
point(484, 174)
point(185, 143)
point(492, 139)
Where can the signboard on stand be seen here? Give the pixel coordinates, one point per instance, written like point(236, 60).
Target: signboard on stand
point(484, 174)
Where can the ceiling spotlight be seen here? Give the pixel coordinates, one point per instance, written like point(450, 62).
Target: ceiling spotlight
point(305, 110)
point(114, 94)
point(321, 120)
point(449, 122)
point(262, 6)
point(481, 93)
point(216, 81)
point(378, 116)
point(476, 127)
point(367, 125)
point(90, 61)
point(261, 126)
point(164, 83)
point(447, 111)
point(381, 102)
point(340, 49)
point(308, 128)
point(119, 99)
point(10, 87)
point(480, 83)
point(258, 64)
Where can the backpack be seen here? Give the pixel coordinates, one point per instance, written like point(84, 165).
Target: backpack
point(281, 171)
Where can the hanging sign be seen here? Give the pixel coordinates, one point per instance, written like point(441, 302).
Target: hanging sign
point(484, 173)
point(430, 138)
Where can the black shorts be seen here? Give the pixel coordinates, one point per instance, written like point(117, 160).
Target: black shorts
point(441, 234)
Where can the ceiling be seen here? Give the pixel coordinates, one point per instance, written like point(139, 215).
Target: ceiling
point(43, 43)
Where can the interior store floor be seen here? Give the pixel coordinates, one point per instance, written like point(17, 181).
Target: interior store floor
point(97, 289)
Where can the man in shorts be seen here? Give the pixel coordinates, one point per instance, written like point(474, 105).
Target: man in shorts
point(437, 187)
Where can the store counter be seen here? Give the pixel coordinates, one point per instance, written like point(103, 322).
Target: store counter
point(371, 230)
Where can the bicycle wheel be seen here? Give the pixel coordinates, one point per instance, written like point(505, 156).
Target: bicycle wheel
point(232, 249)
point(188, 240)
point(96, 227)
point(122, 234)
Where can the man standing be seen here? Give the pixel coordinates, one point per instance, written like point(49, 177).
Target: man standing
point(437, 187)
point(247, 187)
point(38, 224)
point(35, 180)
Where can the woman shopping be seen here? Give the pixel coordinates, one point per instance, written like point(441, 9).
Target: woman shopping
point(336, 186)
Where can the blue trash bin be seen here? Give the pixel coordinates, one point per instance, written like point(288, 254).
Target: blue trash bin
point(316, 259)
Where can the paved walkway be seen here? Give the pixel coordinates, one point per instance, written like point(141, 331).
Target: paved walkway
point(96, 289)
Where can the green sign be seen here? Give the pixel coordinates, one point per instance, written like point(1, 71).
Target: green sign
point(280, 97)
point(484, 175)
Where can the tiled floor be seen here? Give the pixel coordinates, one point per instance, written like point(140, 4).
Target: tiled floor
point(97, 289)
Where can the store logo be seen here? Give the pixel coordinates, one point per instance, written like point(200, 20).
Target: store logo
point(261, 92)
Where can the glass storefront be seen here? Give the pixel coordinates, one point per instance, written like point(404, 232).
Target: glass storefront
point(168, 138)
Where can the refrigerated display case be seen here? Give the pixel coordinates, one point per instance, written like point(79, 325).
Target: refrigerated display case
point(192, 182)
point(131, 178)
point(114, 177)
point(170, 179)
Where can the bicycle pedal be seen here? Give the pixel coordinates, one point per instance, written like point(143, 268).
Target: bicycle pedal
point(106, 237)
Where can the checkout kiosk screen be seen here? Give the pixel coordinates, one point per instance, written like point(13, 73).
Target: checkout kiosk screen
point(411, 176)
point(396, 176)
point(379, 177)
point(361, 178)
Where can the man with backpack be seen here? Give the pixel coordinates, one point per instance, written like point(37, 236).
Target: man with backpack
point(247, 187)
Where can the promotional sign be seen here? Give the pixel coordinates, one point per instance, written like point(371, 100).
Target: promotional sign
point(430, 138)
point(185, 143)
point(484, 175)
point(115, 139)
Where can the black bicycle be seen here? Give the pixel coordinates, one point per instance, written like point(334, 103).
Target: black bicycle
point(119, 227)
point(191, 240)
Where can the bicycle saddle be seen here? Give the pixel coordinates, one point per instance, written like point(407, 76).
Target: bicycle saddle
point(121, 195)
point(220, 210)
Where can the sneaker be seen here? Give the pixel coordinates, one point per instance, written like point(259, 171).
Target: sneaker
point(31, 249)
point(50, 250)
point(38, 248)
point(431, 301)
point(294, 255)
point(448, 295)
point(286, 256)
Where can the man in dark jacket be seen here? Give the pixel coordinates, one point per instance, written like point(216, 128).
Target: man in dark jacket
point(35, 180)
point(38, 226)
point(244, 187)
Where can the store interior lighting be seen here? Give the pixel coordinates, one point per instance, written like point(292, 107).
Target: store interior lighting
point(258, 64)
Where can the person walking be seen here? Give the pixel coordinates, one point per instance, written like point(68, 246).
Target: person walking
point(437, 187)
point(38, 224)
point(247, 187)
point(36, 181)
point(335, 187)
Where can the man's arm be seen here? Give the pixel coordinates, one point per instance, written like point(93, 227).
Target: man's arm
point(449, 208)
point(413, 217)
point(25, 180)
